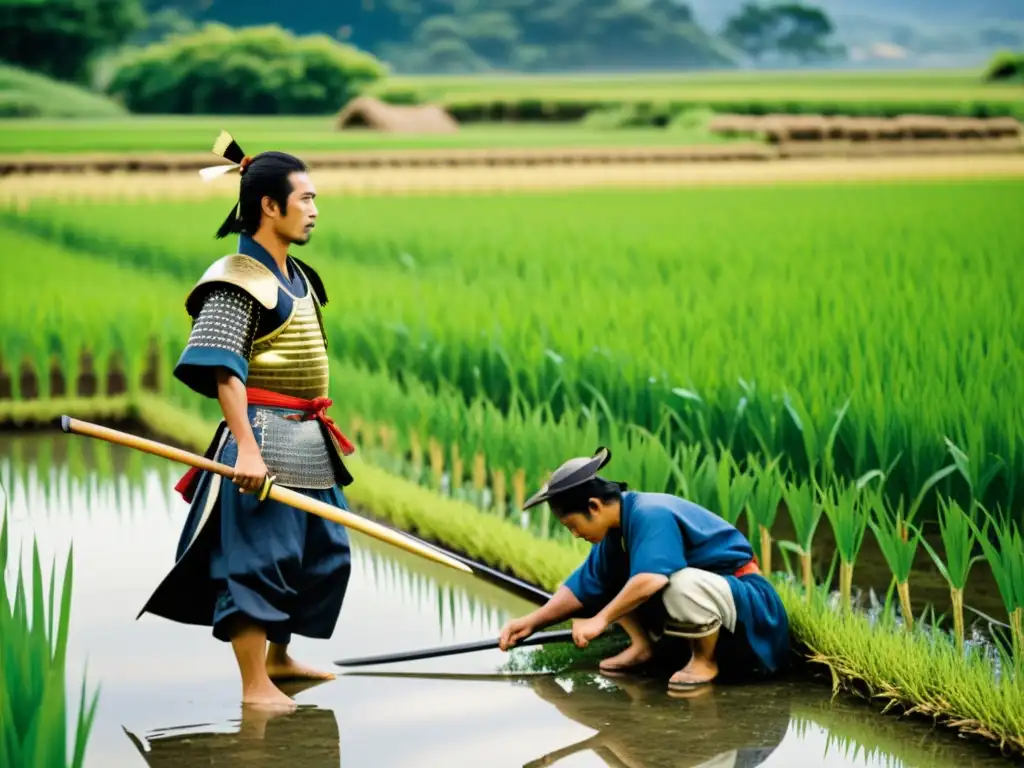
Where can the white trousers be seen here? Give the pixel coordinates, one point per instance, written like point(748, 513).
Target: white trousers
point(698, 603)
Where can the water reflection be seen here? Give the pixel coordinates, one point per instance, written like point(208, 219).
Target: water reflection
point(169, 693)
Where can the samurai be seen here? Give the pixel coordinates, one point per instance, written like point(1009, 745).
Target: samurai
point(255, 570)
point(660, 566)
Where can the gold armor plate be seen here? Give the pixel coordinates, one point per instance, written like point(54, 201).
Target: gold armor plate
point(242, 271)
point(292, 359)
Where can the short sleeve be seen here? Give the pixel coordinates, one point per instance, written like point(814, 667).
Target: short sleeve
point(655, 542)
point(221, 338)
point(599, 577)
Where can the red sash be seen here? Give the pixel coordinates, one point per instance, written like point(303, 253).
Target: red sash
point(314, 409)
point(749, 568)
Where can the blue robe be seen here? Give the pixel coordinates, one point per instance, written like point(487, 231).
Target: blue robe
point(283, 567)
point(663, 534)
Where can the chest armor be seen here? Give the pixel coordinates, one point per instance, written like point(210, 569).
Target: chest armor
point(292, 359)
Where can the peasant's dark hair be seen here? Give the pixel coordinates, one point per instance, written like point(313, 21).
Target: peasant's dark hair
point(265, 175)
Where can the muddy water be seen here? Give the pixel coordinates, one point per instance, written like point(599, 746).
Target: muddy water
point(169, 693)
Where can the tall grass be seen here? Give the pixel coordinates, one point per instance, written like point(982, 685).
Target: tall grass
point(33, 706)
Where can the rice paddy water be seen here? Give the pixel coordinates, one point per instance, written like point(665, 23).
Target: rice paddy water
point(168, 693)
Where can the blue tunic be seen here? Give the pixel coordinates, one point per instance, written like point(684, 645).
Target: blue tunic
point(282, 567)
point(663, 534)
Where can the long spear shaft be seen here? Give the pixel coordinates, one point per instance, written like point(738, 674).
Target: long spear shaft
point(276, 492)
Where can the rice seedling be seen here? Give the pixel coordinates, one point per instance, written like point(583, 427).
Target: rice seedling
point(805, 512)
point(958, 543)
point(763, 506)
point(1006, 559)
point(847, 511)
point(33, 707)
point(898, 540)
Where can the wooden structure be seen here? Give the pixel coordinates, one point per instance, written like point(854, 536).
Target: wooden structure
point(367, 112)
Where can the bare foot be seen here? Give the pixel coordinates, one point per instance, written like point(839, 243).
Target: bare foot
point(266, 695)
point(697, 672)
point(634, 655)
point(289, 669)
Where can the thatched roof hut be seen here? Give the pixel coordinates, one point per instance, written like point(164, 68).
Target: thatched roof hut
point(367, 112)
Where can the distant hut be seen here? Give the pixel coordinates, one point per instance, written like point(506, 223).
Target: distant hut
point(367, 112)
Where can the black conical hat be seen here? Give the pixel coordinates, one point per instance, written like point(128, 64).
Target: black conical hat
point(573, 473)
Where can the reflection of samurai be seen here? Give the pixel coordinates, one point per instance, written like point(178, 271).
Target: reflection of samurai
point(709, 587)
point(649, 730)
point(308, 737)
point(251, 567)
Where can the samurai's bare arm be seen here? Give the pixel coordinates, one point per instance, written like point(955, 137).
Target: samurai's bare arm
point(250, 470)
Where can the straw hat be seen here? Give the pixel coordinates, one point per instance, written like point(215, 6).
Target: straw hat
point(571, 474)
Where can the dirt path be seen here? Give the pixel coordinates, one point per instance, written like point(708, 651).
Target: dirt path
point(134, 186)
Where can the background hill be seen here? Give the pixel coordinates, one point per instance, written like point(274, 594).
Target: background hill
point(558, 35)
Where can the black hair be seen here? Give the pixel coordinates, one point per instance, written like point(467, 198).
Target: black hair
point(578, 499)
point(265, 175)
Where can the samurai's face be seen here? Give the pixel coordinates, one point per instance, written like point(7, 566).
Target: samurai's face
point(296, 224)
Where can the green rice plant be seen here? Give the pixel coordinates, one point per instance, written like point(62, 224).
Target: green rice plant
point(898, 540)
point(958, 542)
point(908, 670)
point(763, 506)
point(33, 727)
point(805, 512)
point(873, 367)
point(847, 511)
point(732, 488)
point(696, 474)
point(1006, 559)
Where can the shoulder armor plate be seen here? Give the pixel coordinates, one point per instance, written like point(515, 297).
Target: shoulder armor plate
point(239, 270)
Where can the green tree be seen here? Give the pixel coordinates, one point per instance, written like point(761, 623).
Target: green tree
point(255, 70)
point(753, 29)
point(803, 32)
point(61, 38)
point(789, 30)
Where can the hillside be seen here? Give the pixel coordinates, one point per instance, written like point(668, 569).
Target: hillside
point(30, 94)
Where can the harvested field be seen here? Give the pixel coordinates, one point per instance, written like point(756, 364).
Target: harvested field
point(187, 185)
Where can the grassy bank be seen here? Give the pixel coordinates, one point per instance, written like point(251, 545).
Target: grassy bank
point(913, 669)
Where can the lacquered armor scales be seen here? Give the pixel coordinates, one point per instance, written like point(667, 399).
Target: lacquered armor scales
point(235, 307)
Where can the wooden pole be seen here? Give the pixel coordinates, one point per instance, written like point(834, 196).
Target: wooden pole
point(278, 493)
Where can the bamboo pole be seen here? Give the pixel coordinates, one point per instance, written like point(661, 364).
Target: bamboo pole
point(278, 493)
